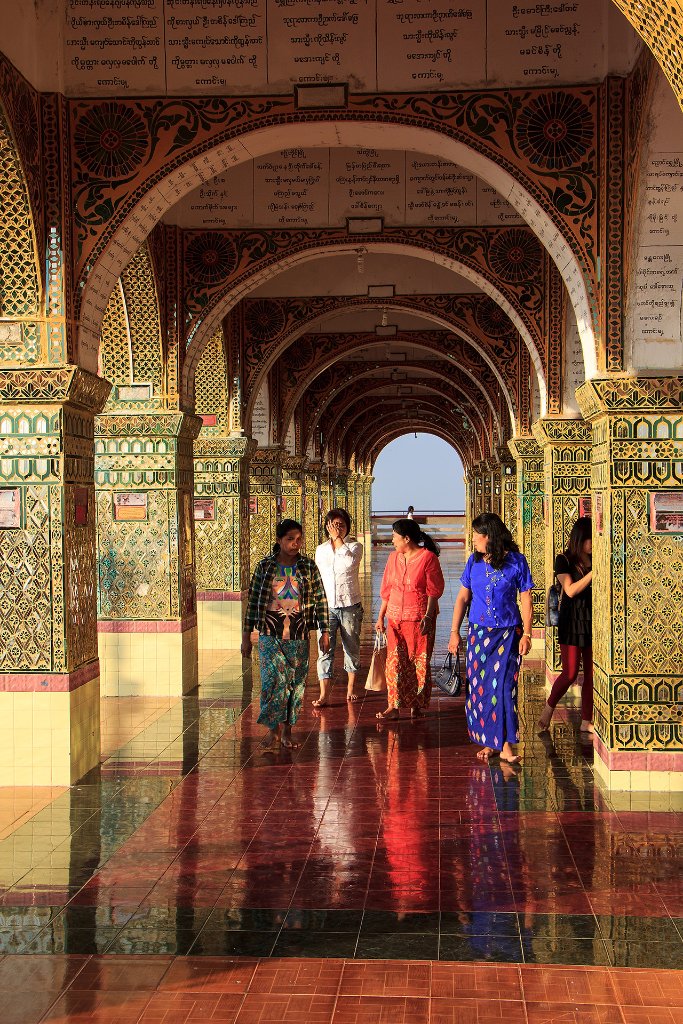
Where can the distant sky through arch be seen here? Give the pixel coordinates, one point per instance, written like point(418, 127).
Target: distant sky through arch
point(421, 470)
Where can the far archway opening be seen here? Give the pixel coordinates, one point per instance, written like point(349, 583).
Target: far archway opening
point(424, 471)
point(419, 470)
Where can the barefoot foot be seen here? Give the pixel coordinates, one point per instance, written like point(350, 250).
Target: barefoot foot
point(545, 719)
point(485, 753)
point(389, 715)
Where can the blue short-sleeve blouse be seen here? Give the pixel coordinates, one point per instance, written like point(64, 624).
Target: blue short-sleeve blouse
point(494, 591)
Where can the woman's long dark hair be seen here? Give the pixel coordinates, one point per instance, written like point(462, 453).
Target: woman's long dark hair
point(499, 540)
point(582, 530)
point(282, 529)
point(409, 528)
point(337, 513)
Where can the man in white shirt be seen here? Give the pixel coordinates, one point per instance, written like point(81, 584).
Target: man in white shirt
point(338, 560)
point(409, 513)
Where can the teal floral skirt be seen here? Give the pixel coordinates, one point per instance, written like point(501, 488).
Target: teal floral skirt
point(284, 667)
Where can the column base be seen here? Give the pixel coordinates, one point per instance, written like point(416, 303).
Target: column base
point(219, 619)
point(148, 659)
point(49, 726)
point(641, 771)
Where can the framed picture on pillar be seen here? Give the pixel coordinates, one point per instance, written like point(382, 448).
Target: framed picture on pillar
point(597, 514)
point(666, 511)
point(10, 508)
point(130, 506)
point(204, 509)
point(81, 506)
point(585, 506)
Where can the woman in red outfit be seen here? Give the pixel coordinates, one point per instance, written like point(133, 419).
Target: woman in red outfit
point(410, 592)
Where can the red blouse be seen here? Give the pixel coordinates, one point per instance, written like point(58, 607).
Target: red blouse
point(407, 585)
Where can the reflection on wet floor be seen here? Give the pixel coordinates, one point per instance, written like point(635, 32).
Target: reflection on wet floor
point(386, 842)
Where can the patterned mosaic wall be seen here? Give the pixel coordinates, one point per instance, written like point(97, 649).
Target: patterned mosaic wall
point(660, 24)
point(47, 559)
point(637, 462)
point(211, 387)
point(143, 476)
point(221, 489)
point(264, 495)
point(566, 448)
point(530, 525)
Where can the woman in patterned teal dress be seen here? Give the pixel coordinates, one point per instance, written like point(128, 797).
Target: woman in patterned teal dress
point(286, 601)
point(495, 574)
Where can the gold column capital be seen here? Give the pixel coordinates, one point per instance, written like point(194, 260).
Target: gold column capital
point(624, 393)
point(70, 384)
point(560, 430)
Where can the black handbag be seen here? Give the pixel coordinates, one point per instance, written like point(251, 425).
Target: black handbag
point(448, 677)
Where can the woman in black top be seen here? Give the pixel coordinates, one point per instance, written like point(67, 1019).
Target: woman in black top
point(574, 572)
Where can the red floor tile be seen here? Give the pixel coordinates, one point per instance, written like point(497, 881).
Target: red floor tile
point(584, 985)
point(122, 973)
point(209, 974)
point(475, 981)
point(476, 1011)
point(572, 1013)
point(386, 978)
point(648, 988)
point(381, 1010)
point(261, 1008)
point(191, 1008)
point(310, 977)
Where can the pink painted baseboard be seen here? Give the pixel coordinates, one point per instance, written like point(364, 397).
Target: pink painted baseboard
point(147, 626)
point(219, 595)
point(639, 760)
point(48, 682)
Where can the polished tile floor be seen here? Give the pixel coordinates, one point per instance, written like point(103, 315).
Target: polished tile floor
point(378, 873)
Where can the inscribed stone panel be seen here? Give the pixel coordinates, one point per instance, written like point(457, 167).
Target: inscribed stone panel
point(533, 44)
point(316, 41)
point(290, 188)
point(216, 46)
point(366, 183)
point(438, 192)
point(659, 268)
point(432, 45)
point(260, 420)
point(115, 47)
point(225, 201)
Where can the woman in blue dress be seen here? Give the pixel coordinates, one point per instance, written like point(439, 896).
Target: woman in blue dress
point(498, 636)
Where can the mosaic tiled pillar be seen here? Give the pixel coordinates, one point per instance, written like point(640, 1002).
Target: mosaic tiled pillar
point(351, 508)
point(566, 446)
point(530, 533)
point(264, 502)
point(496, 487)
point(311, 520)
point(367, 519)
point(49, 667)
point(469, 502)
point(145, 552)
point(326, 497)
point(221, 525)
point(339, 485)
point(476, 492)
point(292, 487)
point(637, 494)
point(509, 497)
